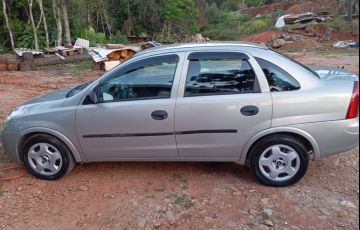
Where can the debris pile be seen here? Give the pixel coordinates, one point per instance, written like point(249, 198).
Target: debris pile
point(112, 55)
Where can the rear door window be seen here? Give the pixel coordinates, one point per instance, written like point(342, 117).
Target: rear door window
point(220, 74)
point(279, 80)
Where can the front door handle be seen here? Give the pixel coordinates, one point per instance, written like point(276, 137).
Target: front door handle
point(159, 115)
point(250, 110)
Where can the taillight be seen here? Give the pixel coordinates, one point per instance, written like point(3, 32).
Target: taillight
point(353, 111)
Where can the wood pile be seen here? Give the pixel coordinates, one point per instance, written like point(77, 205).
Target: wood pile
point(9, 64)
point(111, 56)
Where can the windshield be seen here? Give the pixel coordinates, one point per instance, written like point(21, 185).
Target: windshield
point(296, 62)
point(77, 89)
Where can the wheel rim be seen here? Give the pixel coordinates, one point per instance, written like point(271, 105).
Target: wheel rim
point(279, 163)
point(45, 159)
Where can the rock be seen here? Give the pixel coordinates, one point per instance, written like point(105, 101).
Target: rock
point(277, 43)
point(267, 211)
point(238, 193)
point(84, 188)
point(252, 212)
point(157, 224)
point(208, 219)
point(348, 204)
point(265, 201)
point(141, 223)
point(99, 214)
point(268, 223)
point(20, 188)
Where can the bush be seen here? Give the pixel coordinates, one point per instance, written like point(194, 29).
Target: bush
point(118, 38)
point(93, 37)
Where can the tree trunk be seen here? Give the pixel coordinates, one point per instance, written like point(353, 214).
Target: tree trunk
point(36, 42)
point(57, 16)
point(106, 19)
point(40, 2)
point(66, 21)
point(200, 6)
point(341, 7)
point(8, 25)
point(350, 10)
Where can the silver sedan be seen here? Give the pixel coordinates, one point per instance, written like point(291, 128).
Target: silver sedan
point(228, 102)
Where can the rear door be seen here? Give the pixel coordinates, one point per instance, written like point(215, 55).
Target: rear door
point(221, 104)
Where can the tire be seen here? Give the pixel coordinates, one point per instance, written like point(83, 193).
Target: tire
point(279, 160)
point(46, 157)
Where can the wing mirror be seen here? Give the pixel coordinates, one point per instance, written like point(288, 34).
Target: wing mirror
point(93, 96)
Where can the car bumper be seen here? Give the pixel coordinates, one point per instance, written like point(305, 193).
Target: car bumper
point(9, 141)
point(333, 137)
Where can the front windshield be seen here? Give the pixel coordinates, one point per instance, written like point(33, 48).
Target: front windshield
point(296, 62)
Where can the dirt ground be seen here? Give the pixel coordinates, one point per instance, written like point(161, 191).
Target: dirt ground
point(174, 195)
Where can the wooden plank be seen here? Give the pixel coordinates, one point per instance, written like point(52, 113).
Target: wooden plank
point(109, 65)
point(115, 46)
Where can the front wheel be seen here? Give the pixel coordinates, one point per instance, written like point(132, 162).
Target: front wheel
point(279, 160)
point(46, 157)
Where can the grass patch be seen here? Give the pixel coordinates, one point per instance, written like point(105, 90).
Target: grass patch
point(77, 68)
point(185, 201)
point(2, 192)
point(179, 177)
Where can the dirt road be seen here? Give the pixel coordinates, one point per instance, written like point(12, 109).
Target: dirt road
point(174, 195)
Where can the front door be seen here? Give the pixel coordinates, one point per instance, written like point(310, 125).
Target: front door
point(222, 106)
point(135, 116)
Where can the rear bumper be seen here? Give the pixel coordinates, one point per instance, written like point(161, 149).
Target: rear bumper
point(9, 141)
point(333, 137)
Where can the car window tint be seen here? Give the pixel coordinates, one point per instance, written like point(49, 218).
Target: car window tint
point(278, 79)
point(147, 79)
point(218, 76)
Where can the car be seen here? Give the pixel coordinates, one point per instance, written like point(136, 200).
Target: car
point(210, 102)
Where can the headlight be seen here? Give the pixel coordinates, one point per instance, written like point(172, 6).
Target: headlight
point(5, 123)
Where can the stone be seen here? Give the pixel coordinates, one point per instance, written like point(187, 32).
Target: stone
point(84, 188)
point(348, 204)
point(208, 219)
point(267, 211)
point(268, 223)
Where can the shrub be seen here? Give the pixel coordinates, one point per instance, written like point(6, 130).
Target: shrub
point(118, 38)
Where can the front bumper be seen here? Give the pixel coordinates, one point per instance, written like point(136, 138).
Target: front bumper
point(333, 137)
point(10, 142)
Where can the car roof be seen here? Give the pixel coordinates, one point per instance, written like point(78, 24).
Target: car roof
point(190, 46)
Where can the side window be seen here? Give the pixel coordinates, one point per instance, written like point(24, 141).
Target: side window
point(151, 78)
point(214, 74)
point(278, 79)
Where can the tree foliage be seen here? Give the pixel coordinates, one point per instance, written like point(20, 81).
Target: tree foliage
point(102, 21)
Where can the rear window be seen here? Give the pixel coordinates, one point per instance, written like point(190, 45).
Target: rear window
point(279, 80)
point(215, 74)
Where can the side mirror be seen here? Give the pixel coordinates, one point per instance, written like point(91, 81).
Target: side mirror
point(93, 97)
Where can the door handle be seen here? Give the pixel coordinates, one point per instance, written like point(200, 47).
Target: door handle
point(159, 115)
point(250, 110)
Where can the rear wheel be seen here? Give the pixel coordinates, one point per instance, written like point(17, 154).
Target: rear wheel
point(279, 160)
point(46, 157)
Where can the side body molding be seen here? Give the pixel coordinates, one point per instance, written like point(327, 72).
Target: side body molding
point(54, 133)
point(276, 130)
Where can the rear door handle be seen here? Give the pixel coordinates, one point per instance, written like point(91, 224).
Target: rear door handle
point(249, 110)
point(159, 115)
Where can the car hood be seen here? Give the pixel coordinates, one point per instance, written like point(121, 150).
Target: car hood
point(52, 96)
point(330, 73)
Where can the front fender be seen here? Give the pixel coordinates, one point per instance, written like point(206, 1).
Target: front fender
point(78, 157)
